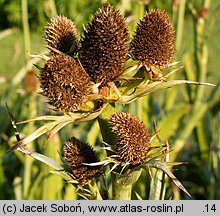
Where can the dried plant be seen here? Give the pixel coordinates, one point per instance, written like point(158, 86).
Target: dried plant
point(76, 154)
point(76, 74)
point(153, 42)
point(65, 83)
point(60, 33)
point(104, 47)
point(133, 139)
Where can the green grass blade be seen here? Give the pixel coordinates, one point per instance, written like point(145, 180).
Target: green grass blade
point(169, 124)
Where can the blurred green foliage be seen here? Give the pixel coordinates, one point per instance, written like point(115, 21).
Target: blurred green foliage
point(189, 115)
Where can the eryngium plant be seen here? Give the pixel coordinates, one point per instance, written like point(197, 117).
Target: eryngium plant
point(60, 33)
point(153, 42)
point(133, 139)
point(75, 77)
point(104, 47)
point(65, 83)
point(76, 154)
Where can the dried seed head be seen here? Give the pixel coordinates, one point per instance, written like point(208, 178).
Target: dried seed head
point(133, 139)
point(60, 33)
point(104, 47)
point(76, 153)
point(30, 82)
point(65, 83)
point(153, 43)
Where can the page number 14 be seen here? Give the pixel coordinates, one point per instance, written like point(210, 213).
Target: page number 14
point(210, 208)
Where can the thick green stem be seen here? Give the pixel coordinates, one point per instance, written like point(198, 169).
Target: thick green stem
point(156, 187)
point(122, 185)
point(119, 191)
point(125, 191)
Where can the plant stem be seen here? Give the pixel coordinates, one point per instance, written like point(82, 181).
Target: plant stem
point(125, 191)
point(180, 24)
point(200, 107)
point(156, 186)
point(202, 64)
point(122, 185)
point(171, 94)
point(28, 165)
point(52, 185)
point(53, 7)
point(26, 30)
point(196, 115)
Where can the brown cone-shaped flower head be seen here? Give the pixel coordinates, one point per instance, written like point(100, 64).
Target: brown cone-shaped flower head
point(105, 45)
point(60, 33)
point(133, 139)
point(153, 43)
point(65, 83)
point(76, 153)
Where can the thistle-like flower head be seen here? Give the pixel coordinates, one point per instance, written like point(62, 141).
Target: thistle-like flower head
point(153, 42)
point(60, 33)
point(65, 83)
point(75, 154)
point(133, 139)
point(104, 47)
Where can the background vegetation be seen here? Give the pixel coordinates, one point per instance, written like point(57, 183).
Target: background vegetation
point(188, 116)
